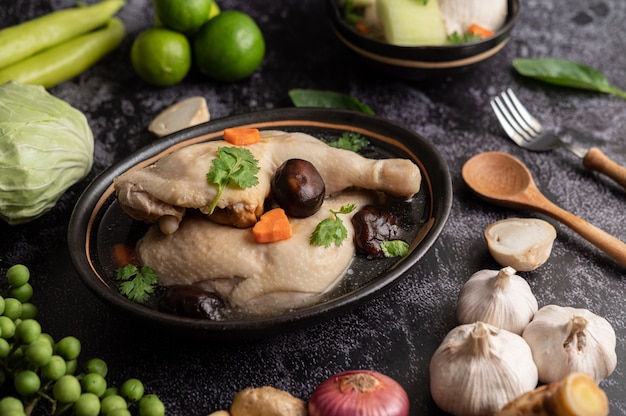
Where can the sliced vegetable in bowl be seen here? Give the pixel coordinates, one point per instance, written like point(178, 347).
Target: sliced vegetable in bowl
point(450, 53)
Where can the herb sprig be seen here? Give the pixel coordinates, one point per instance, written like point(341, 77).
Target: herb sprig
point(331, 230)
point(350, 141)
point(138, 282)
point(233, 166)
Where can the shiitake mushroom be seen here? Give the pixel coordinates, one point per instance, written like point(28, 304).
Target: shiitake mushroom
point(192, 302)
point(373, 225)
point(298, 188)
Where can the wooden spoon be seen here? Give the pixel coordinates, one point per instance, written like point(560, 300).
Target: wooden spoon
point(504, 180)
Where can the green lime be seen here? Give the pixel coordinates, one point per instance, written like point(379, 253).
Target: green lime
point(229, 47)
point(161, 56)
point(184, 16)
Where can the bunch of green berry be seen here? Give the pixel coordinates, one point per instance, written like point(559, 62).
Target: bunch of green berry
point(38, 372)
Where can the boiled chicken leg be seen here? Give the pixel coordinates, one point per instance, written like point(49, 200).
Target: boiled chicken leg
point(163, 191)
point(251, 277)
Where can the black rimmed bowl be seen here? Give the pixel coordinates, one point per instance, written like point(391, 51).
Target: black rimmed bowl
point(420, 62)
point(98, 223)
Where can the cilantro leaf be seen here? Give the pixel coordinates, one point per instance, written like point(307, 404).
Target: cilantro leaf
point(138, 283)
point(394, 248)
point(233, 166)
point(350, 141)
point(331, 230)
point(455, 38)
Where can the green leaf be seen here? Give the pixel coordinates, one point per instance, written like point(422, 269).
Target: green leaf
point(138, 283)
point(566, 73)
point(331, 230)
point(394, 248)
point(234, 166)
point(327, 99)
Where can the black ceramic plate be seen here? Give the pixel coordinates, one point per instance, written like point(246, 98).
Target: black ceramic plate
point(98, 221)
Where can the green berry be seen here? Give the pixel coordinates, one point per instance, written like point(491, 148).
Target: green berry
point(7, 327)
point(11, 406)
point(151, 405)
point(88, 404)
point(12, 308)
point(28, 331)
point(68, 348)
point(1, 305)
point(38, 353)
point(22, 293)
point(18, 275)
point(67, 389)
point(55, 368)
point(27, 383)
point(71, 366)
point(94, 383)
point(132, 390)
point(29, 311)
point(111, 403)
point(5, 348)
point(96, 365)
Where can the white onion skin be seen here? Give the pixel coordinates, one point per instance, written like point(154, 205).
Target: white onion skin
point(382, 397)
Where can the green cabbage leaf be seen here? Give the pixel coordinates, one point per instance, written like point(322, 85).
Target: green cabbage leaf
point(46, 146)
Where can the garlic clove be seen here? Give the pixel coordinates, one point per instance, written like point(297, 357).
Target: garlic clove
point(478, 368)
point(186, 113)
point(522, 243)
point(498, 297)
point(565, 339)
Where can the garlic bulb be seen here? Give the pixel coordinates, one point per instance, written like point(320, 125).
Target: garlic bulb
point(500, 298)
point(522, 243)
point(564, 339)
point(478, 368)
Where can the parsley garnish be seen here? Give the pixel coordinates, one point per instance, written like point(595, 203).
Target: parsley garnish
point(138, 283)
point(456, 38)
point(394, 248)
point(350, 141)
point(331, 230)
point(233, 166)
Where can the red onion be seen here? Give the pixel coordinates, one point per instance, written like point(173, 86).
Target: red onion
point(359, 393)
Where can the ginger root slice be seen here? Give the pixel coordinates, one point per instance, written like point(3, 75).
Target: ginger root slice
point(575, 395)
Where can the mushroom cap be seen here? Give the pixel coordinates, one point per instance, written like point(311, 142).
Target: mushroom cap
point(522, 243)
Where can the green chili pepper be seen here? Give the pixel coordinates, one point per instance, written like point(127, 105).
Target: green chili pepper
point(65, 61)
point(25, 39)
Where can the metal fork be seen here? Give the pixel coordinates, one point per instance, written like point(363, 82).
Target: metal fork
point(527, 132)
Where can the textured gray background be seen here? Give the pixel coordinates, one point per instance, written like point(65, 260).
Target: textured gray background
point(397, 332)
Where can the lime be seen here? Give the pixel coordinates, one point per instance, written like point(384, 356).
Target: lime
point(161, 56)
point(182, 15)
point(229, 47)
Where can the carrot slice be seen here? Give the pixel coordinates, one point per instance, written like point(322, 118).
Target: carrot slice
point(242, 136)
point(362, 28)
point(272, 226)
point(122, 254)
point(481, 31)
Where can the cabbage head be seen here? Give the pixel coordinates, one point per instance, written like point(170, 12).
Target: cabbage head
point(46, 146)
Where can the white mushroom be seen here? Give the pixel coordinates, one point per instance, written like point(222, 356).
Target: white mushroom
point(522, 243)
point(186, 113)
